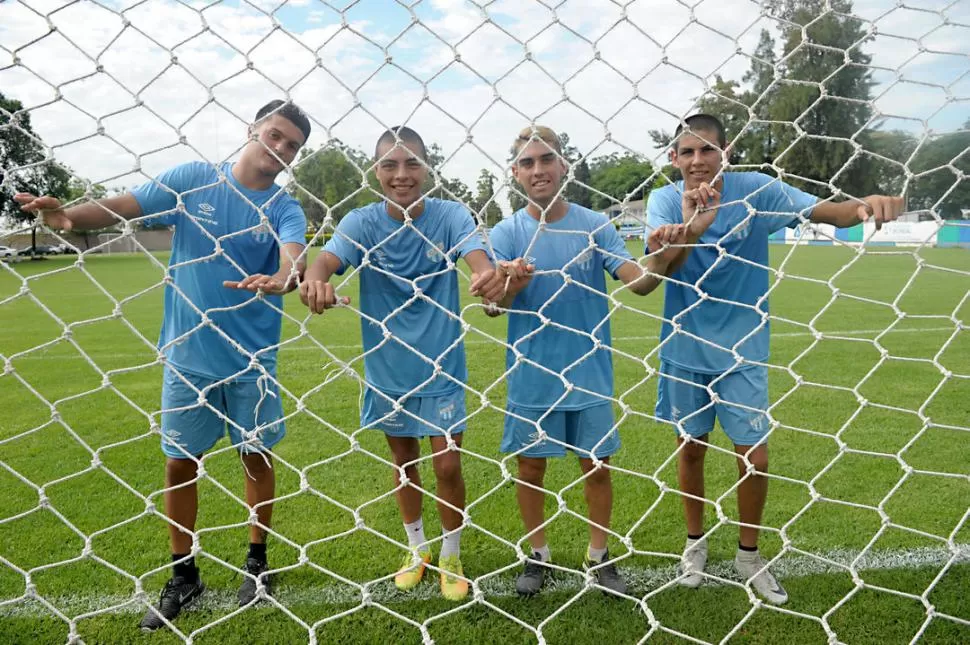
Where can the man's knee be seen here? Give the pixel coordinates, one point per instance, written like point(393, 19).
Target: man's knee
point(180, 471)
point(532, 470)
point(693, 451)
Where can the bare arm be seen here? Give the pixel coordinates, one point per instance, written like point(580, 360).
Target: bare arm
point(698, 209)
point(486, 281)
point(86, 216)
point(316, 292)
point(642, 281)
point(880, 208)
point(281, 282)
point(515, 277)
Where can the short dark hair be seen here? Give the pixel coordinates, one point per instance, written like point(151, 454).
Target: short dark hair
point(290, 111)
point(701, 122)
point(405, 134)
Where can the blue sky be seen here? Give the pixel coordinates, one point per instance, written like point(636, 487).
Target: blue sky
point(602, 73)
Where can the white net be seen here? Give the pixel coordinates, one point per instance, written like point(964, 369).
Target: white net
point(866, 520)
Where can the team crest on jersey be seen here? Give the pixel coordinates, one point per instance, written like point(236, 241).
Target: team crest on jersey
point(434, 252)
point(585, 260)
point(381, 259)
point(262, 233)
point(739, 232)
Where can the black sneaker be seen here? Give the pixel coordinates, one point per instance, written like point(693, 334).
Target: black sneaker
point(531, 579)
point(177, 594)
point(606, 575)
point(255, 569)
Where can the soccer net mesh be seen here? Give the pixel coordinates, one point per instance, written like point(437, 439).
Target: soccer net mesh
point(868, 415)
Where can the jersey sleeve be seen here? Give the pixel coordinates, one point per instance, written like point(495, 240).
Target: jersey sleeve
point(292, 224)
point(346, 242)
point(502, 241)
point(611, 248)
point(779, 205)
point(159, 197)
point(465, 236)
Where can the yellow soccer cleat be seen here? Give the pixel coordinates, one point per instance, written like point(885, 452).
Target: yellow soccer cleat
point(453, 586)
point(411, 571)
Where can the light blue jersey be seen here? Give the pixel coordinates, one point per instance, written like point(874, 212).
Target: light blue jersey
point(402, 259)
point(214, 208)
point(582, 244)
point(737, 322)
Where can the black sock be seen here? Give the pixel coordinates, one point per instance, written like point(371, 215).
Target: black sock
point(184, 569)
point(749, 549)
point(694, 537)
point(257, 551)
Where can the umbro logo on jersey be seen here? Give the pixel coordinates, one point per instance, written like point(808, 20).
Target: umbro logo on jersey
point(206, 212)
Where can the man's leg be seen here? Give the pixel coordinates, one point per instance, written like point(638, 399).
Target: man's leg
point(592, 431)
point(744, 395)
point(683, 399)
point(451, 493)
point(752, 492)
point(186, 435)
point(690, 477)
point(532, 498)
point(255, 427)
point(181, 503)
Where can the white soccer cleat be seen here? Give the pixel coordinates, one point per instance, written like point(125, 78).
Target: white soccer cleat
point(751, 567)
point(693, 562)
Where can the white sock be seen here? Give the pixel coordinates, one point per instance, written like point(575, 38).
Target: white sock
point(543, 554)
point(596, 555)
point(451, 544)
point(415, 532)
point(748, 556)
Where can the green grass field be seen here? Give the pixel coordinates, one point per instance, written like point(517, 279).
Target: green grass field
point(891, 477)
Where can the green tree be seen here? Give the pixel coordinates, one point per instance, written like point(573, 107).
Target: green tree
point(576, 190)
point(333, 179)
point(941, 188)
point(483, 206)
point(619, 177)
point(25, 165)
point(453, 189)
point(831, 37)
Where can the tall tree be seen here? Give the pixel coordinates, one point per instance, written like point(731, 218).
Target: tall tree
point(813, 61)
point(759, 140)
point(25, 165)
point(484, 207)
point(576, 190)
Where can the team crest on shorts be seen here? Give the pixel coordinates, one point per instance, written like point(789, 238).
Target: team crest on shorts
point(447, 411)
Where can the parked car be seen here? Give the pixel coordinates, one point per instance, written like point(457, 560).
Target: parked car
point(40, 249)
point(7, 252)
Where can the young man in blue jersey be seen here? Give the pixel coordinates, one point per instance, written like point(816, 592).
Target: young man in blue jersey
point(220, 327)
point(560, 390)
point(721, 344)
point(405, 246)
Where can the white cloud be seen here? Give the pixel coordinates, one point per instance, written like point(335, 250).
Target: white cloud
point(178, 83)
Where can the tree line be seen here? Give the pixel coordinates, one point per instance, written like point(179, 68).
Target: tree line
point(776, 114)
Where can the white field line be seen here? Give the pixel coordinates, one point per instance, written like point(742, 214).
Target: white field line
point(306, 349)
point(641, 580)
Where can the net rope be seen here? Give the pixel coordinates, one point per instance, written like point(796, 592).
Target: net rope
point(336, 367)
